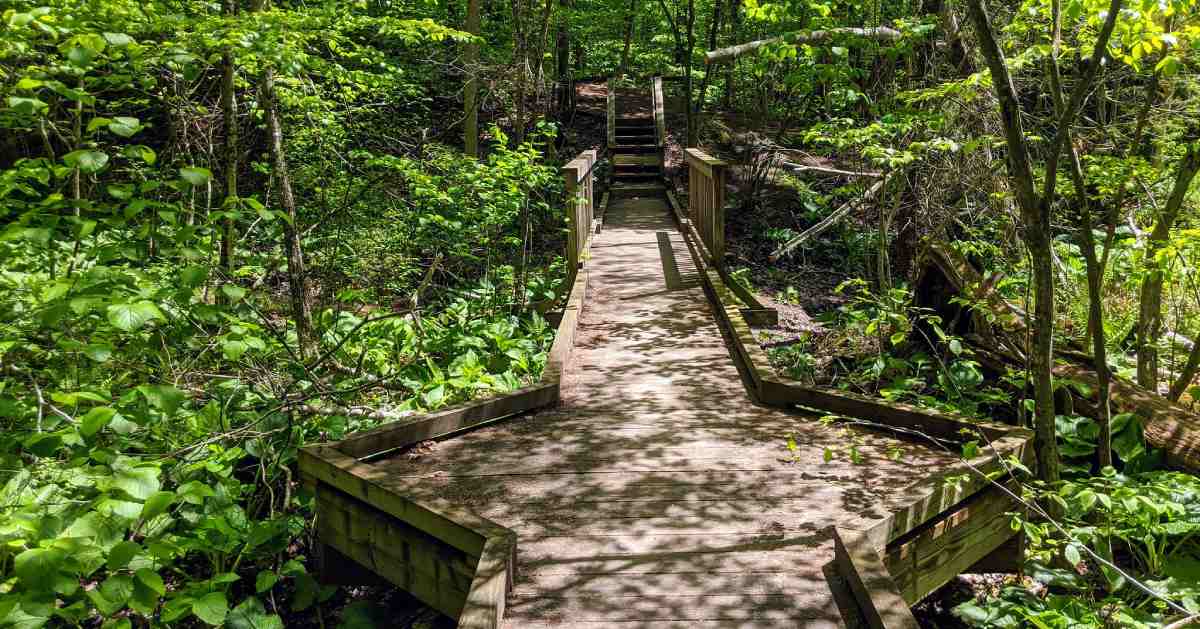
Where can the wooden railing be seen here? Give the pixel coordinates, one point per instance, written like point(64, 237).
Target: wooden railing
point(580, 177)
point(612, 113)
point(660, 117)
point(706, 201)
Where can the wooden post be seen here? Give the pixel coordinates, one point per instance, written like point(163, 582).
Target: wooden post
point(612, 114)
point(571, 179)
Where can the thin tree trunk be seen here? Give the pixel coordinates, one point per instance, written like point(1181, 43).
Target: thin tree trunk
point(1087, 243)
point(714, 24)
point(687, 71)
point(471, 94)
point(629, 17)
point(1149, 324)
point(297, 278)
point(229, 120)
point(566, 85)
point(521, 62)
point(1186, 376)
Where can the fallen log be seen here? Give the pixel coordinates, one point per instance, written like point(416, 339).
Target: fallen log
point(999, 326)
point(725, 55)
point(829, 221)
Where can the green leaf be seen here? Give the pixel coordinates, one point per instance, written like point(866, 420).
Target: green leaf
point(139, 483)
point(118, 39)
point(194, 492)
point(193, 276)
point(152, 580)
point(233, 292)
point(122, 554)
point(100, 353)
point(95, 420)
point(87, 161)
point(265, 581)
point(27, 105)
point(157, 503)
point(195, 175)
point(116, 591)
point(164, 397)
point(125, 126)
point(1071, 554)
point(129, 317)
point(234, 349)
point(211, 608)
point(38, 567)
point(251, 614)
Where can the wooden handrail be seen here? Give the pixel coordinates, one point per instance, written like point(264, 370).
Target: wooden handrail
point(660, 119)
point(580, 178)
point(706, 201)
point(612, 113)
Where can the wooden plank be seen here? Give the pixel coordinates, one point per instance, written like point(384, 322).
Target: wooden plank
point(484, 607)
point(440, 423)
point(934, 553)
point(874, 590)
point(929, 499)
point(702, 161)
point(564, 339)
point(938, 424)
point(457, 527)
point(660, 120)
point(437, 574)
point(612, 113)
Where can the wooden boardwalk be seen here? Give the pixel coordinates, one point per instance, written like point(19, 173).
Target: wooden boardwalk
point(658, 494)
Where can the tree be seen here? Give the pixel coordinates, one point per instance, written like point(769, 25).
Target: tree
point(1036, 209)
point(471, 91)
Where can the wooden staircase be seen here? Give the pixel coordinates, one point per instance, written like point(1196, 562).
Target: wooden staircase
point(636, 143)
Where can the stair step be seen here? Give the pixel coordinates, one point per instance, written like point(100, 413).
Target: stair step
point(634, 148)
point(637, 168)
point(622, 188)
point(637, 160)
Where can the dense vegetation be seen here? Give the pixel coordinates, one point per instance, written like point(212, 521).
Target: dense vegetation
point(229, 229)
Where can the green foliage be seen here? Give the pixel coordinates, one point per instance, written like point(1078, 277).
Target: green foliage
point(1146, 522)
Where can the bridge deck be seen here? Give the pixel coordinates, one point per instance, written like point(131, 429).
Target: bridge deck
point(658, 494)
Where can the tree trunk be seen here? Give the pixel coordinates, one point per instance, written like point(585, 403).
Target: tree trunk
point(1149, 324)
point(471, 93)
point(521, 63)
point(629, 17)
point(1037, 239)
point(297, 278)
point(687, 71)
point(229, 119)
point(1087, 244)
point(566, 85)
point(713, 26)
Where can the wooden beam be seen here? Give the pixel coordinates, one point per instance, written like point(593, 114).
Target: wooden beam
point(438, 424)
point(725, 55)
point(874, 590)
point(934, 553)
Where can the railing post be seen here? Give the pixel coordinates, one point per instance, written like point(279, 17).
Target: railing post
point(718, 210)
point(612, 113)
point(570, 174)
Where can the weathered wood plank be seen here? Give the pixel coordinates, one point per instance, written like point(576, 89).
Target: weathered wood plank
point(878, 598)
point(435, 573)
point(929, 556)
point(456, 527)
point(484, 607)
point(440, 423)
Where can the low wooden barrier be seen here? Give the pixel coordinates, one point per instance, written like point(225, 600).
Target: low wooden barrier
point(929, 532)
point(706, 201)
point(452, 560)
point(580, 177)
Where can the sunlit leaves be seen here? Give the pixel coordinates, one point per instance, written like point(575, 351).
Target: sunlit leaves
point(131, 316)
point(87, 161)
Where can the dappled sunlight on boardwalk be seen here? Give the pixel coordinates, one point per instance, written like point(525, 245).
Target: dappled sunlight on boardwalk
point(658, 494)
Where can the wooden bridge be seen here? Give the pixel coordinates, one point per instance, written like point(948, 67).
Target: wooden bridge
point(660, 474)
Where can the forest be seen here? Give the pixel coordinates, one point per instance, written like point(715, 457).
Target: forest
point(231, 230)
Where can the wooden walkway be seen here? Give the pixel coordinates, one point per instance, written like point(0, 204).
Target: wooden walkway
point(658, 494)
